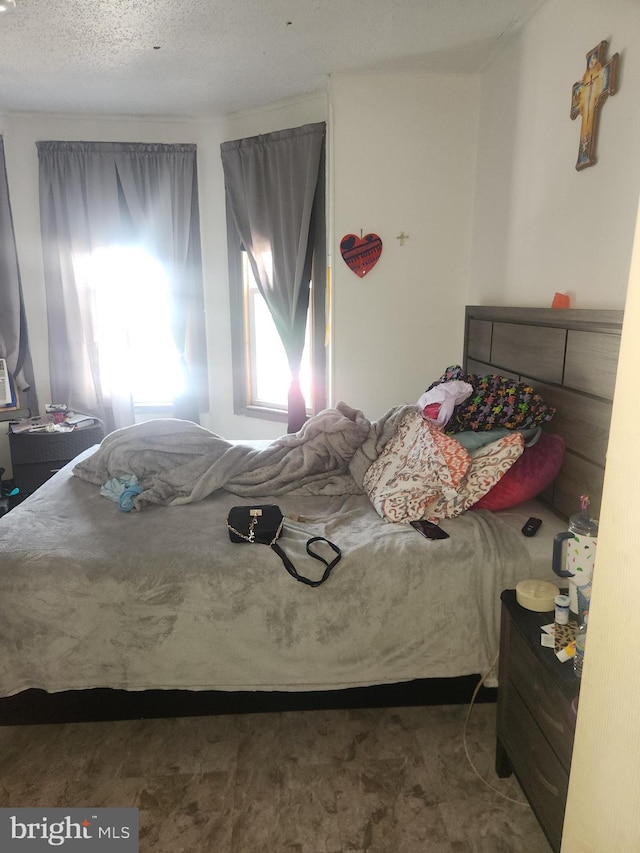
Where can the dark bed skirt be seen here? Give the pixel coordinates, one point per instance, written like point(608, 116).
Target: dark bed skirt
point(37, 706)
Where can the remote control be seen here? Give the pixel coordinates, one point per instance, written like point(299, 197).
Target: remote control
point(531, 526)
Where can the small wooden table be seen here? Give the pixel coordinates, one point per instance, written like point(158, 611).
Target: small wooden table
point(37, 456)
point(535, 719)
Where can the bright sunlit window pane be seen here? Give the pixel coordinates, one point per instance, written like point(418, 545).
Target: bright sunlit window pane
point(269, 372)
point(138, 358)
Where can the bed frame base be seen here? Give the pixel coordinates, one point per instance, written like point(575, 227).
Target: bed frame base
point(35, 707)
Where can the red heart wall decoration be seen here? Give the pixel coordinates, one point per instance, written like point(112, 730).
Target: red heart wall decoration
point(361, 254)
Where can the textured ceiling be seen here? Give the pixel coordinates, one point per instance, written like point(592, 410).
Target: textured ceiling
point(210, 57)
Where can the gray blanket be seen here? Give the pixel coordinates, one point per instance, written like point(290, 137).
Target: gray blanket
point(179, 462)
point(91, 597)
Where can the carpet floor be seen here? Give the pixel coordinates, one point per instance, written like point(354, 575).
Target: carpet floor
point(391, 780)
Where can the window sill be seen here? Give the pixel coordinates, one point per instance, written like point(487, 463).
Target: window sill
point(143, 412)
point(262, 412)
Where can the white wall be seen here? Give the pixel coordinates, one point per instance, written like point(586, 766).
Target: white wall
point(403, 160)
point(540, 226)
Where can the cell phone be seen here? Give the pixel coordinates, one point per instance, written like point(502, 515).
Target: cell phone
point(429, 530)
point(531, 527)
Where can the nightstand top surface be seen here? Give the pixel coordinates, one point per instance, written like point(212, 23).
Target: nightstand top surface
point(529, 624)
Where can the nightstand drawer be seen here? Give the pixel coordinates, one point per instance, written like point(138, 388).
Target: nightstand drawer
point(544, 780)
point(30, 477)
point(544, 699)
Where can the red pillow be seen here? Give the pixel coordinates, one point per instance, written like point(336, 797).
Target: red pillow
point(530, 474)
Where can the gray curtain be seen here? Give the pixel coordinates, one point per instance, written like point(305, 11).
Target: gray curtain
point(271, 182)
point(14, 342)
point(96, 195)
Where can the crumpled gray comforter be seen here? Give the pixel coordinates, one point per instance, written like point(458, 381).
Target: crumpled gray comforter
point(178, 462)
point(93, 597)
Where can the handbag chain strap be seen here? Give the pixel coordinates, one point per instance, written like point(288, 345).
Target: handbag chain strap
point(251, 536)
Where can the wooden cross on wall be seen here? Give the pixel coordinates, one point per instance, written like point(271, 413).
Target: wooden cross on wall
point(588, 96)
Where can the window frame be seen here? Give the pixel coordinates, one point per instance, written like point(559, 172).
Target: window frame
point(240, 352)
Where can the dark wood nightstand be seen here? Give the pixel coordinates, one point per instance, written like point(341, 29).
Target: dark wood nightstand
point(535, 720)
point(36, 456)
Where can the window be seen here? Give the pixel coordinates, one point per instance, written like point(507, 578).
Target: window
point(267, 370)
point(132, 325)
point(135, 196)
point(261, 374)
point(275, 192)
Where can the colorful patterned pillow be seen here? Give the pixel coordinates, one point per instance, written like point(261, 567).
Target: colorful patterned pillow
point(418, 466)
point(488, 465)
point(530, 475)
point(496, 401)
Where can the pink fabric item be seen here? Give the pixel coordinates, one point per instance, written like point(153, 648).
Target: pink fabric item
point(530, 475)
point(431, 411)
point(437, 404)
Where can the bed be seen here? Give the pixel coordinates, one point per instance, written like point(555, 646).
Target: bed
point(104, 609)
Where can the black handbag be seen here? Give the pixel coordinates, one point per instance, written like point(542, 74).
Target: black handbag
point(262, 524)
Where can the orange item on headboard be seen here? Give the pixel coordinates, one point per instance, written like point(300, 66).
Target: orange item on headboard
point(560, 300)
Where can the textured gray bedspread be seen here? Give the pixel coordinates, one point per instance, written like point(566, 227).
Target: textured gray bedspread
point(178, 462)
point(94, 597)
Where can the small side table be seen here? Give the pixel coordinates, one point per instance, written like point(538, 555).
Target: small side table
point(36, 456)
point(535, 720)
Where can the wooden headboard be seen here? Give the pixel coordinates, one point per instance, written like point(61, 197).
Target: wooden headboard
point(570, 357)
